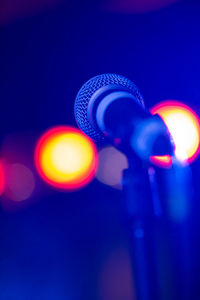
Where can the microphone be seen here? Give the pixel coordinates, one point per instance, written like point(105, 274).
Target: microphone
point(109, 107)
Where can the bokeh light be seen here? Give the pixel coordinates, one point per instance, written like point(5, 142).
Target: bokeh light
point(2, 178)
point(111, 165)
point(20, 182)
point(65, 158)
point(115, 277)
point(162, 161)
point(135, 6)
point(11, 10)
point(184, 126)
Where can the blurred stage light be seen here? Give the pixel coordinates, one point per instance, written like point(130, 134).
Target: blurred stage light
point(2, 179)
point(184, 127)
point(20, 182)
point(115, 277)
point(65, 158)
point(135, 6)
point(111, 165)
point(10, 10)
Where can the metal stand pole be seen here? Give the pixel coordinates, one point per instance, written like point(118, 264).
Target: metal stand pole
point(140, 214)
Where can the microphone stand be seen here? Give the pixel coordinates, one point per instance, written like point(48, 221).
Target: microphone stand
point(152, 247)
point(140, 218)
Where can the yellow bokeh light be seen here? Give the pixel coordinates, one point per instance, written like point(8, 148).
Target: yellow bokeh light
point(184, 127)
point(66, 158)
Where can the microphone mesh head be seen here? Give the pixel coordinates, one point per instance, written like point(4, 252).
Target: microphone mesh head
point(87, 91)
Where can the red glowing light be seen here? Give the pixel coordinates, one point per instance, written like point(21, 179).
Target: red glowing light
point(162, 161)
point(184, 126)
point(2, 179)
point(11, 10)
point(20, 182)
point(66, 158)
point(135, 6)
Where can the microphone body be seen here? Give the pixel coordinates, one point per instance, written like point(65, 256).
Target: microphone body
point(115, 112)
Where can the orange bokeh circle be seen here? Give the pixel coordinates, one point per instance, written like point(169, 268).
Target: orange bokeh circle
point(66, 158)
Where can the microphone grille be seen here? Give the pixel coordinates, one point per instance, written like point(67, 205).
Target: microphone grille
point(87, 91)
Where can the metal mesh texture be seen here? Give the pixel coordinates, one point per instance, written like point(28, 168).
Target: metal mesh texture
point(85, 94)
